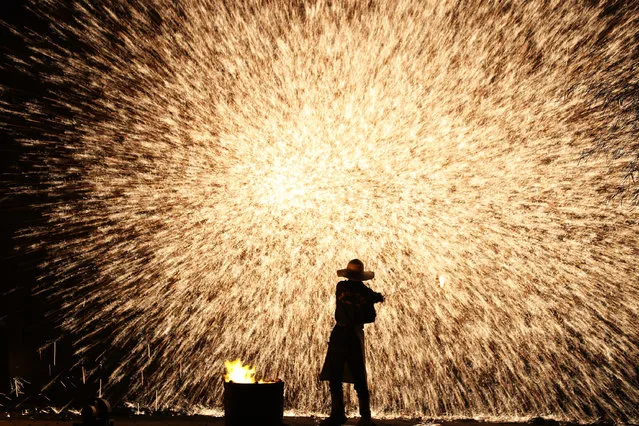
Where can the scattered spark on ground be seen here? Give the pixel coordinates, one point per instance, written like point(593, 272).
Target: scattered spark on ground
point(208, 166)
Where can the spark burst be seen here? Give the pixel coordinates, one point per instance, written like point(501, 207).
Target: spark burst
point(209, 165)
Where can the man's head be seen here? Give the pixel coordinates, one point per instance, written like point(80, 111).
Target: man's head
point(355, 271)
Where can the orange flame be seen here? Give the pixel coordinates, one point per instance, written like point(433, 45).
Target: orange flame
point(238, 373)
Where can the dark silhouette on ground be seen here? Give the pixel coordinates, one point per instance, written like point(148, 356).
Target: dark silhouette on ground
point(345, 362)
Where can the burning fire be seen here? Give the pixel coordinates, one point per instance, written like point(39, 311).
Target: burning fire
point(236, 372)
point(239, 373)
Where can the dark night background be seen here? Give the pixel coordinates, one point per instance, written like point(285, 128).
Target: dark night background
point(33, 350)
point(28, 335)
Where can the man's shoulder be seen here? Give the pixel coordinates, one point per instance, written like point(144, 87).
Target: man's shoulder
point(342, 285)
point(352, 286)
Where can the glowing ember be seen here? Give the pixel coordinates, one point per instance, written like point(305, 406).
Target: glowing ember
point(442, 281)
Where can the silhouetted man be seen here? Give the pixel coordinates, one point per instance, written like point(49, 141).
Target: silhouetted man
point(345, 358)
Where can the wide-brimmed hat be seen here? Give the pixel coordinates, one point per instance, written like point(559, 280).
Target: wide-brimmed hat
point(355, 271)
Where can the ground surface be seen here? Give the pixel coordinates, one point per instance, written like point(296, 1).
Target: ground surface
point(219, 421)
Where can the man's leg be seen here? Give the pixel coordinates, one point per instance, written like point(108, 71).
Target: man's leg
point(357, 366)
point(337, 402)
point(364, 399)
point(336, 358)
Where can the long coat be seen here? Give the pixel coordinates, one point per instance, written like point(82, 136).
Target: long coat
point(345, 348)
point(345, 358)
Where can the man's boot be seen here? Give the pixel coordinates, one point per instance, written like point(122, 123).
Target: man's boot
point(338, 415)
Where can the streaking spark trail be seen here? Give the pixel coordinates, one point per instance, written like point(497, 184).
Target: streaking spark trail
point(209, 165)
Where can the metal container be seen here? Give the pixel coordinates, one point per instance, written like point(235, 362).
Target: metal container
point(254, 404)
